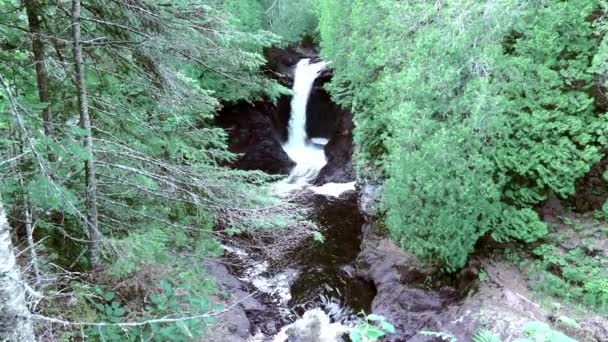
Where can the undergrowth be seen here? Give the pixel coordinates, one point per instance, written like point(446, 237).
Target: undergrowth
point(570, 264)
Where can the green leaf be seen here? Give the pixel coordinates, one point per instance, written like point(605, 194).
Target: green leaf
point(374, 317)
point(355, 336)
point(119, 312)
point(108, 296)
point(386, 326)
point(165, 285)
point(375, 333)
point(156, 299)
point(318, 237)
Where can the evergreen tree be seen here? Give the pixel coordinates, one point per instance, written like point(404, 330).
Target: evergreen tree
point(126, 165)
point(472, 112)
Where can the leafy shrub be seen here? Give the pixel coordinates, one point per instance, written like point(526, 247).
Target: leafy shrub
point(290, 19)
point(473, 113)
point(573, 276)
point(170, 301)
point(522, 224)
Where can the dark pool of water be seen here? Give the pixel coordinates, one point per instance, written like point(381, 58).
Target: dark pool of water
point(328, 279)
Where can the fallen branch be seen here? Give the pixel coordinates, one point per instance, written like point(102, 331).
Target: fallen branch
point(139, 324)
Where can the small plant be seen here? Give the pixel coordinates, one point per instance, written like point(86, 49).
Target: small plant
point(167, 303)
point(568, 322)
point(318, 237)
point(485, 335)
point(543, 332)
point(483, 276)
point(574, 275)
point(371, 328)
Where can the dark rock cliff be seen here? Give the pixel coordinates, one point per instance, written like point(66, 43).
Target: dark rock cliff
point(257, 130)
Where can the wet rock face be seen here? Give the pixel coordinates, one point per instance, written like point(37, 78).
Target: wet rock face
point(412, 299)
point(396, 275)
point(256, 132)
point(233, 325)
point(339, 152)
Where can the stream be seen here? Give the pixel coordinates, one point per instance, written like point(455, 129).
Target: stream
point(328, 277)
point(319, 282)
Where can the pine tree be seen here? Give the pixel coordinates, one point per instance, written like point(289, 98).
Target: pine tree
point(470, 112)
point(85, 123)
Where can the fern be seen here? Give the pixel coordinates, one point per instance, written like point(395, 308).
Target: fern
point(485, 335)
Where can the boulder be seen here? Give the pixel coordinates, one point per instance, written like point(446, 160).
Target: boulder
point(400, 294)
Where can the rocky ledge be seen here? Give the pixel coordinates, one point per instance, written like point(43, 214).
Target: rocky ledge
point(415, 298)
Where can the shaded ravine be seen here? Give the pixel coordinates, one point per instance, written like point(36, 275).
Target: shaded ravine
point(326, 275)
point(357, 267)
point(316, 274)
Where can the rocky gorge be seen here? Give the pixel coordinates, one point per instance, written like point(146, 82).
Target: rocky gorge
point(422, 302)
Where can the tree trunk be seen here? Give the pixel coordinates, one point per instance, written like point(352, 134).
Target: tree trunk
point(32, 7)
point(14, 324)
point(85, 123)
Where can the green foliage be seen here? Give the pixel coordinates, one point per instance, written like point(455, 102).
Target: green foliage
point(568, 322)
point(250, 13)
point(550, 113)
point(156, 74)
point(522, 224)
point(290, 19)
point(472, 113)
point(423, 222)
point(439, 335)
point(574, 276)
point(169, 301)
point(371, 328)
point(532, 331)
point(543, 332)
point(485, 336)
point(318, 237)
point(600, 60)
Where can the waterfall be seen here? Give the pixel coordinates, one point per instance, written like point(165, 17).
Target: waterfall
point(305, 75)
point(309, 157)
point(308, 153)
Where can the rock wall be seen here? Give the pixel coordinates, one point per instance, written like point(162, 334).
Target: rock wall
point(257, 130)
point(339, 152)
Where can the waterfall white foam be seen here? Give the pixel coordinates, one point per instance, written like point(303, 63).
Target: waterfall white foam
point(314, 325)
point(333, 189)
point(305, 75)
point(309, 157)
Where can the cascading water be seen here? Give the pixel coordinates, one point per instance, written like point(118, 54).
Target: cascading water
point(309, 157)
point(305, 75)
point(318, 294)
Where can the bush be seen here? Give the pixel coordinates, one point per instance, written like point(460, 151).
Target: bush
point(473, 113)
